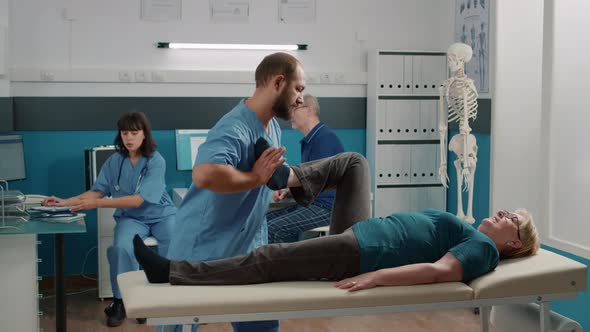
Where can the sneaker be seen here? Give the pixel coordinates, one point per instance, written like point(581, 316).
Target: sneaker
point(109, 309)
point(118, 314)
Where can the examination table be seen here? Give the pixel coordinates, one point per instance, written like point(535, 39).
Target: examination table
point(541, 278)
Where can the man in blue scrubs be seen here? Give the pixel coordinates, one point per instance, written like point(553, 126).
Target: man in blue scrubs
point(319, 142)
point(223, 212)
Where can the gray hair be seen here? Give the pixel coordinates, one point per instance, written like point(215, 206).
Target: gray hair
point(530, 238)
point(312, 101)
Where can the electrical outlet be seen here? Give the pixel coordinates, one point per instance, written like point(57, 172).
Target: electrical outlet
point(141, 76)
point(46, 76)
point(339, 78)
point(325, 78)
point(312, 78)
point(124, 76)
point(157, 76)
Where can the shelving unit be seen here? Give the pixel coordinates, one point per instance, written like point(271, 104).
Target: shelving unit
point(18, 257)
point(402, 130)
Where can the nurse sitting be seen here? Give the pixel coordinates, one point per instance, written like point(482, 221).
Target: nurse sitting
point(134, 178)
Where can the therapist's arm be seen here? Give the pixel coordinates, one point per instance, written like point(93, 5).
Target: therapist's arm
point(446, 269)
point(130, 201)
point(226, 179)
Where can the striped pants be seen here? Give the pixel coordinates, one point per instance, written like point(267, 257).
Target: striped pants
point(288, 222)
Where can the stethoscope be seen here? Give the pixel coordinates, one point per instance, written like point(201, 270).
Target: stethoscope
point(142, 173)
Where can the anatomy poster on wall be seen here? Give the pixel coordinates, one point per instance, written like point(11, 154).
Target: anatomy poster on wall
point(472, 27)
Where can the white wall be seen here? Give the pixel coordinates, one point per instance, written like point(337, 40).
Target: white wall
point(540, 117)
point(425, 25)
point(107, 36)
point(4, 83)
point(517, 177)
point(569, 179)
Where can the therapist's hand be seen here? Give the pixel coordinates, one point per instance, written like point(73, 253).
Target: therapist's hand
point(362, 281)
point(85, 204)
point(54, 201)
point(267, 164)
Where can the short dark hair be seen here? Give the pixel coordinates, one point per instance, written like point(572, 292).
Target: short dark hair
point(275, 64)
point(132, 121)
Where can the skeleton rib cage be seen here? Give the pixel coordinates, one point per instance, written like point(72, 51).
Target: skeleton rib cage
point(455, 99)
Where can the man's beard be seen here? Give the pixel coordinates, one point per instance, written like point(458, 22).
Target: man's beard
point(282, 106)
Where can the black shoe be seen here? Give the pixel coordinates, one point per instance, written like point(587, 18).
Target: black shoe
point(118, 314)
point(280, 177)
point(141, 320)
point(109, 309)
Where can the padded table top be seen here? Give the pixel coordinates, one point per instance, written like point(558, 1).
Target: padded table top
point(544, 273)
point(143, 299)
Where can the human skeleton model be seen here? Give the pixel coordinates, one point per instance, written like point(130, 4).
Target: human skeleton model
point(461, 98)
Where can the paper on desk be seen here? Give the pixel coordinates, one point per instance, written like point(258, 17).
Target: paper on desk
point(61, 219)
point(50, 208)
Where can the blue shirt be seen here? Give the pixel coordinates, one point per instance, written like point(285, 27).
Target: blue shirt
point(118, 178)
point(211, 225)
point(424, 237)
point(321, 142)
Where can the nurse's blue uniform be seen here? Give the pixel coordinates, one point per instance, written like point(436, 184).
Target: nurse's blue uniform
point(154, 217)
point(210, 225)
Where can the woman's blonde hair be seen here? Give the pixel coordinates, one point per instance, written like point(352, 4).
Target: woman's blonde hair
point(529, 236)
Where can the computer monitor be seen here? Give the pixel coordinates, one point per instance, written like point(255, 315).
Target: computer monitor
point(187, 145)
point(12, 158)
point(94, 158)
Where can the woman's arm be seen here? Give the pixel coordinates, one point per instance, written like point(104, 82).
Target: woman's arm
point(74, 200)
point(130, 201)
point(446, 269)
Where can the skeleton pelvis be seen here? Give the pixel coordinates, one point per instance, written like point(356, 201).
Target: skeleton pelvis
point(457, 144)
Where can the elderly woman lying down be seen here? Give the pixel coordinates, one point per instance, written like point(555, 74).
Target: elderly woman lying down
point(405, 248)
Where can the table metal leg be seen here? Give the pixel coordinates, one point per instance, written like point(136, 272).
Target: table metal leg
point(60, 292)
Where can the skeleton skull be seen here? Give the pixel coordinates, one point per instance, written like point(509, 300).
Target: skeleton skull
point(458, 54)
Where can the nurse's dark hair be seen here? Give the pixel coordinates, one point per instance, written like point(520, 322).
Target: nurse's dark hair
point(132, 121)
point(275, 64)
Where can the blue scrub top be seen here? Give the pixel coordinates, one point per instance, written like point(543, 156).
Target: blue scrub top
point(146, 179)
point(211, 225)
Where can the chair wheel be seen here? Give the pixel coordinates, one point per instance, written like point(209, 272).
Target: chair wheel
point(141, 320)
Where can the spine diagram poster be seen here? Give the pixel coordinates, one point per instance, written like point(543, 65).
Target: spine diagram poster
point(472, 27)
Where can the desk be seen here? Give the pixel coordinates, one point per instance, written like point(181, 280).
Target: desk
point(19, 248)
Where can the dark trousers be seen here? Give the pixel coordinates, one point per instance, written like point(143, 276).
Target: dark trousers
point(333, 257)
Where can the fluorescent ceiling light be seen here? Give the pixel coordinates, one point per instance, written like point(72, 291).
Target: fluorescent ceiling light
point(292, 47)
